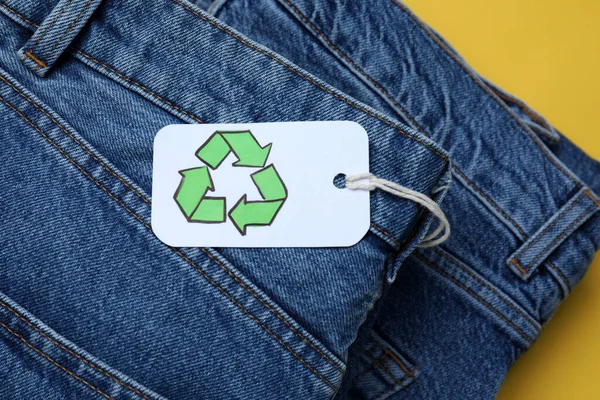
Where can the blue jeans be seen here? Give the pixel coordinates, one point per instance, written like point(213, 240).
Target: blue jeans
point(93, 305)
point(523, 204)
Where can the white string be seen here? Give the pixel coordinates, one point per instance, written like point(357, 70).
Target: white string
point(432, 239)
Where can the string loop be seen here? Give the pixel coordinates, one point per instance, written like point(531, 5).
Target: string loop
point(432, 239)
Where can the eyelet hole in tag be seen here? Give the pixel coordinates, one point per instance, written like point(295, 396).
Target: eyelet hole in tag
point(339, 181)
point(260, 185)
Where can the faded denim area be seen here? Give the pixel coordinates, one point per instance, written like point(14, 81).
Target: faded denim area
point(523, 205)
point(93, 303)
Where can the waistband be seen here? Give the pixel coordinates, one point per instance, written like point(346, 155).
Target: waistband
point(170, 51)
point(505, 159)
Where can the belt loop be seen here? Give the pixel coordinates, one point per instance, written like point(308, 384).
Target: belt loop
point(55, 34)
point(556, 230)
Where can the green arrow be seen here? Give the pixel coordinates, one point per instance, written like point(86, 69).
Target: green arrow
point(242, 143)
point(246, 148)
point(214, 151)
point(210, 210)
point(253, 213)
point(269, 183)
point(194, 185)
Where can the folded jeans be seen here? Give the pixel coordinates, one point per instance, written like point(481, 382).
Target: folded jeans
point(92, 303)
point(523, 204)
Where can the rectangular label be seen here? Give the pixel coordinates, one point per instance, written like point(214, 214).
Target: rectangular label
point(259, 185)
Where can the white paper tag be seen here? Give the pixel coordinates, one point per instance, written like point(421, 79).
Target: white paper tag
point(259, 185)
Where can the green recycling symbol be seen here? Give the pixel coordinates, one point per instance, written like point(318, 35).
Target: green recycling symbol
point(191, 195)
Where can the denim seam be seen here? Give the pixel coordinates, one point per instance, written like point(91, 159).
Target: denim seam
point(149, 203)
point(39, 39)
point(506, 96)
point(334, 49)
point(188, 260)
point(550, 226)
point(35, 59)
point(389, 235)
point(490, 93)
point(83, 147)
point(393, 357)
point(309, 79)
point(129, 80)
point(534, 117)
point(568, 231)
point(31, 53)
point(562, 276)
point(503, 297)
point(71, 352)
point(383, 91)
point(169, 103)
point(396, 381)
point(53, 49)
point(488, 200)
point(50, 359)
point(179, 109)
point(539, 130)
point(474, 295)
point(143, 198)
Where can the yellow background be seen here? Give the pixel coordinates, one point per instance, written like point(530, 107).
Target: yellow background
point(546, 52)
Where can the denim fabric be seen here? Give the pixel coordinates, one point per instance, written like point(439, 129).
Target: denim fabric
point(523, 204)
point(93, 304)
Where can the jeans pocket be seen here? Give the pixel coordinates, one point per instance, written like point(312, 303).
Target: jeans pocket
point(78, 252)
point(40, 363)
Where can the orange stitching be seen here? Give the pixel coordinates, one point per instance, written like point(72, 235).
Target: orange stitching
point(77, 141)
point(559, 272)
point(50, 25)
point(343, 55)
point(273, 311)
point(465, 269)
point(485, 88)
point(200, 121)
point(525, 108)
point(589, 194)
point(243, 41)
point(138, 85)
point(204, 250)
point(18, 15)
point(40, 63)
point(393, 356)
point(68, 29)
point(307, 78)
point(71, 352)
point(522, 105)
point(492, 203)
point(380, 229)
point(516, 263)
point(387, 372)
point(73, 162)
point(566, 232)
point(476, 296)
point(189, 261)
point(554, 222)
point(387, 94)
point(360, 70)
point(47, 357)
